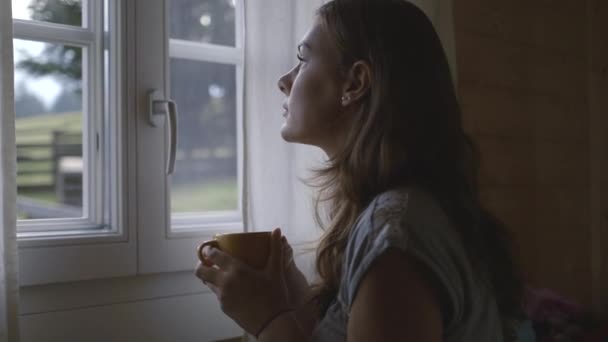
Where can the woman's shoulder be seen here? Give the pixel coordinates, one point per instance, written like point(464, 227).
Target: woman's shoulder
point(399, 204)
point(389, 208)
point(398, 215)
point(388, 222)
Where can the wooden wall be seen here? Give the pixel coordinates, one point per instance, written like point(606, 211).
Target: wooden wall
point(532, 83)
point(598, 74)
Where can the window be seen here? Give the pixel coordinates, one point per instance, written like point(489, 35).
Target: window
point(206, 68)
point(60, 113)
point(202, 71)
point(95, 199)
point(69, 131)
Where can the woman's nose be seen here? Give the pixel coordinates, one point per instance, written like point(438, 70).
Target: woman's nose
point(284, 84)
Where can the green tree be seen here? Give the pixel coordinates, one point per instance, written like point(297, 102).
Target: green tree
point(27, 103)
point(62, 61)
point(67, 101)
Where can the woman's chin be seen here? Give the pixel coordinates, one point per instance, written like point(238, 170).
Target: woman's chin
point(287, 134)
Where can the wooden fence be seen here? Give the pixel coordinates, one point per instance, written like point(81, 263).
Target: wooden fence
point(37, 163)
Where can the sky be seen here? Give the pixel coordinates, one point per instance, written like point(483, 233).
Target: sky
point(46, 88)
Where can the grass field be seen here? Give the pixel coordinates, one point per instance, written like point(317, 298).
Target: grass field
point(210, 196)
point(217, 195)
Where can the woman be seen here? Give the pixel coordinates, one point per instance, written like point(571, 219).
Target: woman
point(408, 252)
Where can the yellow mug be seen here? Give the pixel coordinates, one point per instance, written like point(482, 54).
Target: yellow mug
point(252, 248)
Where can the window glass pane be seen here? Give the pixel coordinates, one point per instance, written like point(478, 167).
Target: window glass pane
point(48, 109)
point(67, 12)
point(205, 177)
point(203, 21)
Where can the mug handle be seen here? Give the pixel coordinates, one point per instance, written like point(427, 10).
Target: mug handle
point(199, 250)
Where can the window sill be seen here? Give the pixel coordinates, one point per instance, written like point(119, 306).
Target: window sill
point(81, 236)
point(111, 291)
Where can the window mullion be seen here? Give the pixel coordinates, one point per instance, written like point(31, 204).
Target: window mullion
point(112, 139)
point(151, 205)
point(52, 33)
point(93, 143)
point(94, 192)
point(240, 25)
point(205, 52)
point(65, 244)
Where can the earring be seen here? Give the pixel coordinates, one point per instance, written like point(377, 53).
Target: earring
point(345, 98)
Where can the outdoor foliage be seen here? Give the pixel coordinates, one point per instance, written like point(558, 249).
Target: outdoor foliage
point(62, 61)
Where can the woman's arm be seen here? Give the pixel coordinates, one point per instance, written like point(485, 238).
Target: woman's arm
point(298, 324)
point(284, 328)
point(395, 302)
point(300, 292)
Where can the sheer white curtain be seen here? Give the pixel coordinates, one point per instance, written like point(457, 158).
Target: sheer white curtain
point(9, 290)
point(273, 28)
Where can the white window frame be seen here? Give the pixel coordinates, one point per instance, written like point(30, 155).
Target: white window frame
point(203, 223)
point(89, 38)
point(168, 244)
point(133, 232)
point(96, 245)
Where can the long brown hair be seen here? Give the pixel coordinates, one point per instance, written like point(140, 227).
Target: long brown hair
point(408, 131)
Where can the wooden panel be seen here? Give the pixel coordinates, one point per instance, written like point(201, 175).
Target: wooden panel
point(506, 161)
point(534, 23)
point(596, 158)
point(562, 163)
point(487, 62)
point(561, 205)
point(603, 110)
point(497, 111)
point(524, 89)
point(548, 244)
point(603, 234)
point(599, 107)
point(563, 261)
point(509, 161)
point(561, 119)
point(514, 206)
point(599, 43)
point(563, 233)
point(508, 112)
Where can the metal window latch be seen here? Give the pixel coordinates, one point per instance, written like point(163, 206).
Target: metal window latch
point(158, 109)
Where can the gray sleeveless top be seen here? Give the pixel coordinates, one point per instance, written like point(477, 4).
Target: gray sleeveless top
point(412, 221)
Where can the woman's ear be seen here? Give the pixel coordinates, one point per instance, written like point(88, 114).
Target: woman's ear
point(357, 83)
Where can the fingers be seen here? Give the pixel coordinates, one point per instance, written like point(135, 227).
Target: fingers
point(209, 275)
point(214, 289)
point(287, 251)
point(219, 258)
point(276, 258)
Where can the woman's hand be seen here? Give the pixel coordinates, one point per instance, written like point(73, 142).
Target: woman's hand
point(297, 285)
point(299, 292)
point(250, 297)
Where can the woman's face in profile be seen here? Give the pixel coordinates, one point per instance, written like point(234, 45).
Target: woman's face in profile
point(313, 89)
